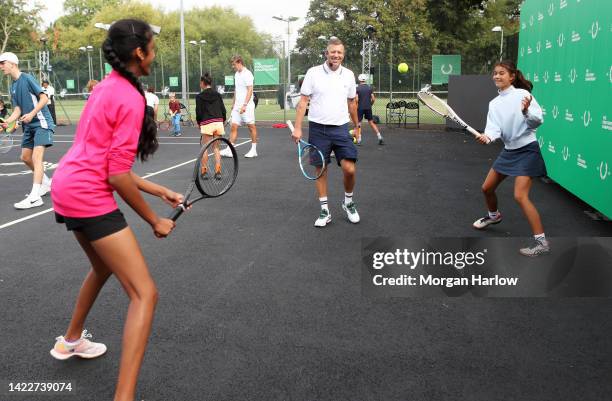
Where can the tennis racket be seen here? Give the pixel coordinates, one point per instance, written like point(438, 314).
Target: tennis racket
point(6, 135)
point(213, 175)
point(310, 158)
point(440, 107)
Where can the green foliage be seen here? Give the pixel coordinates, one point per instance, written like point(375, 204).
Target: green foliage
point(80, 12)
point(18, 22)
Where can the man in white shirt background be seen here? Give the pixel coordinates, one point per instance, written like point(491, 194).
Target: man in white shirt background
point(243, 106)
point(50, 92)
point(152, 101)
point(331, 90)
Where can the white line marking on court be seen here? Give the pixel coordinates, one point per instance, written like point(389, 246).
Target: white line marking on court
point(31, 216)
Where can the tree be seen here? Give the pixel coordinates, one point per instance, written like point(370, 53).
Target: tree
point(80, 12)
point(17, 24)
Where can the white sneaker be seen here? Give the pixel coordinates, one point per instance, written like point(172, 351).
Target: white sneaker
point(251, 153)
point(44, 189)
point(323, 219)
point(351, 212)
point(226, 153)
point(28, 203)
point(83, 348)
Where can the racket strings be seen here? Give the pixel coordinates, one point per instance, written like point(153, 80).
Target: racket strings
point(216, 173)
point(311, 162)
point(433, 102)
point(6, 142)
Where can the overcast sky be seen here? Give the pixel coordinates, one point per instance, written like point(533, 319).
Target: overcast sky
point(261, 11)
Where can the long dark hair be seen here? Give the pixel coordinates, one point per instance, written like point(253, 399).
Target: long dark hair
point(123, 37)
point(519, 79)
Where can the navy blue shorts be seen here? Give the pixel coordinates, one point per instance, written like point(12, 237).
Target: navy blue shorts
point(36, 136)
point(332, 137)
point(367, 113)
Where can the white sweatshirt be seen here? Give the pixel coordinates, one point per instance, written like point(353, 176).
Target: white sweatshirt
point(505, 119)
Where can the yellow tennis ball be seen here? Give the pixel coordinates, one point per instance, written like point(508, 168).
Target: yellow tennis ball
point(402, 68)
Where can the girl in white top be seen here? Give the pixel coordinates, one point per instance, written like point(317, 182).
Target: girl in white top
point(513, 117)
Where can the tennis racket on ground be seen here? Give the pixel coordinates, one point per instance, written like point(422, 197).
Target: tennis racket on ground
point(440, 107)
point(6, 135)
point(213, 175)
point(310, 158)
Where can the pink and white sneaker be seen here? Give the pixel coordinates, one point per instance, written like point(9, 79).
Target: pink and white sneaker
point(83, 348)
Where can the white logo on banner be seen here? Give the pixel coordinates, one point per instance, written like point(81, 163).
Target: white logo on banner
point(543, 110)
point(609, 74)
point(541, 141)
point(523, 25)
point(538, 46)
point(557, 77)
point(522, 51)
point(447, 71)
point(551, 9)
point(540, 16)
point(562, 4)
point(605, 124)
point(565, 153)
point(560, 39)
point(528, 76)
point(545, 77)
point(604, 172)
point(589, 76)
point(531, 20)
point(555, 112)
point(595, 29)
point(529, 50)
point(586, 118)
point(551, 147)
point(575, 36)
point(581, 162)
point(536, 78)
point(548, 44)
point(569, 116)
point(572, 75)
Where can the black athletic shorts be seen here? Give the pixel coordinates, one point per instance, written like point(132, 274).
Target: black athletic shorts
point(96, 227)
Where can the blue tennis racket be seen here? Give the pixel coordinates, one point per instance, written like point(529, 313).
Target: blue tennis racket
point(310, 158)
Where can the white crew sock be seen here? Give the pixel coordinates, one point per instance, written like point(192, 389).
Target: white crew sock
point(323, 202)
point(348, 198)
point(35, 193)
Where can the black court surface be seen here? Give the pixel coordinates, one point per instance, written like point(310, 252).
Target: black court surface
point(257, 304)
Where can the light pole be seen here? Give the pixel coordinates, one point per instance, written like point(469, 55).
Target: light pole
point(200, 43)
point(183, 67)
point(88, 50)
point(288, 20)
point(501, 42)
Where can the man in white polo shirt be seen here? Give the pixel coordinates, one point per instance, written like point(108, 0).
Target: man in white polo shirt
point(330, 88)
point(243, 107)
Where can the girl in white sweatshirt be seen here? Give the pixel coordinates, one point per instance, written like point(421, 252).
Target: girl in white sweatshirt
point(513, 117)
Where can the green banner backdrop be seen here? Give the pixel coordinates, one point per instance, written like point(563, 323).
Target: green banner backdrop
point(266, 71)
point(444, 65)
point(565, 50)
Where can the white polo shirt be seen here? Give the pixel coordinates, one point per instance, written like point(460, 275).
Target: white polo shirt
point(242, 80)
point(328, 91)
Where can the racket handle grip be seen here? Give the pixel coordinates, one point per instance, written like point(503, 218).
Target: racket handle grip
point(174, 215)
point(472, 131)
point(290, 125)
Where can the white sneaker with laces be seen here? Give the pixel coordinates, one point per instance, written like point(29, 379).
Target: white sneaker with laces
point(28, 203)
point(83, 348)
point(323, 219)
point(226, 153)
point(251, 153)
point(351, 212)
